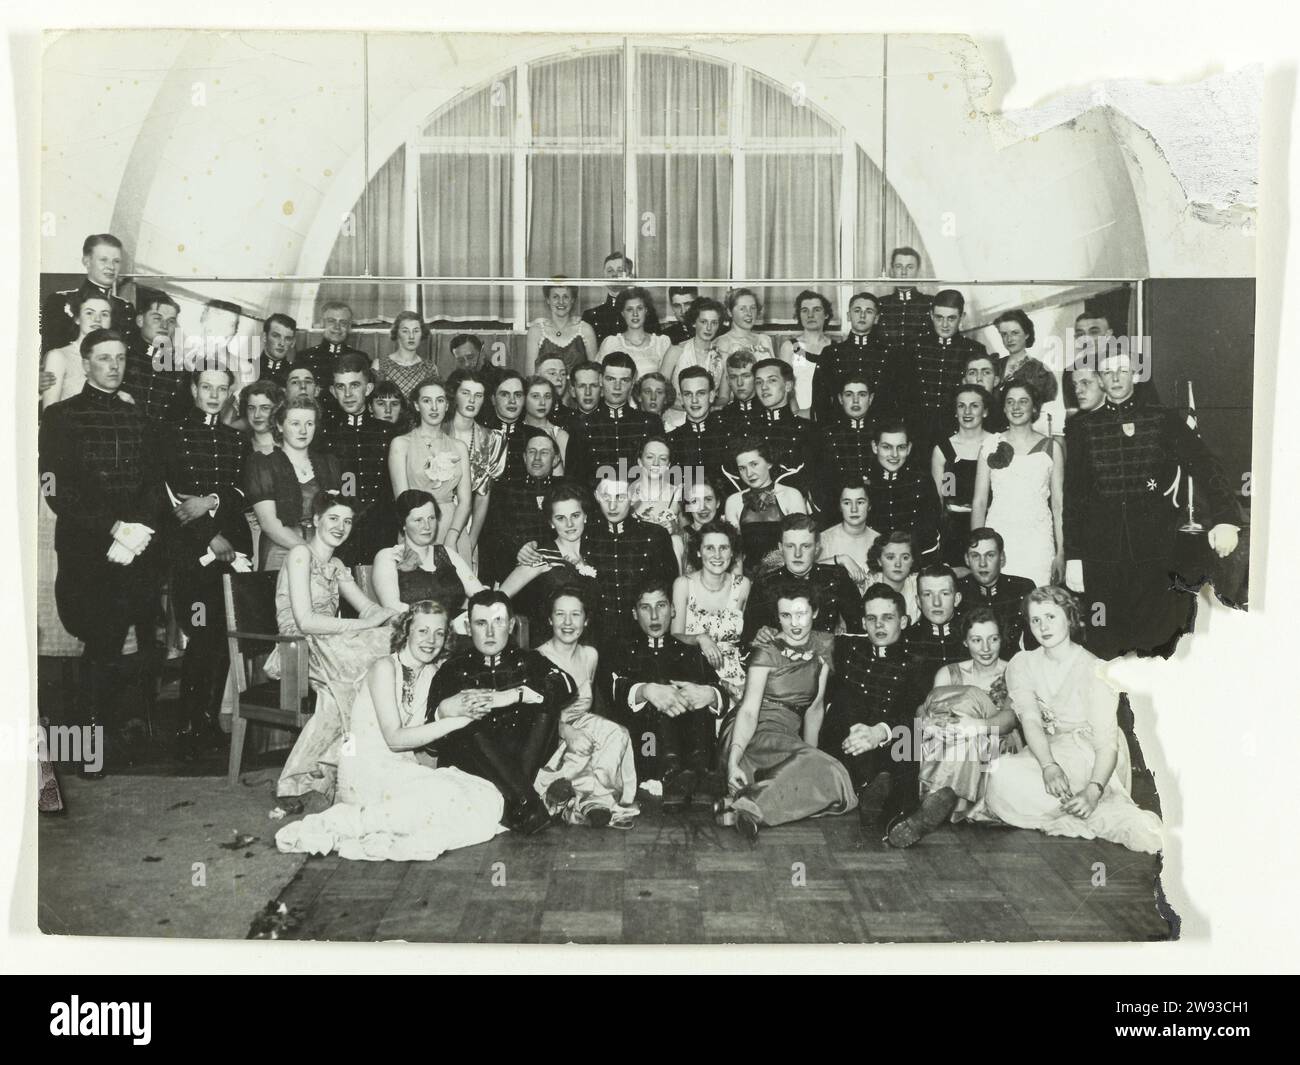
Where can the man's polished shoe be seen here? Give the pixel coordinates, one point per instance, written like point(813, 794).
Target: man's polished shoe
point(935, 809)
point(873, 799)
point(678, 785)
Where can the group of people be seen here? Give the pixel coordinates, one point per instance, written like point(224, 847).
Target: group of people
point(874, 572)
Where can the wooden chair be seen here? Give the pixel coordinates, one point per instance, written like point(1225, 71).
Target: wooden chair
point(251, 633)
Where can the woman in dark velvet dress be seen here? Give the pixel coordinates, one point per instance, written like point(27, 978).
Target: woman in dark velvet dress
point(416, 568)
point(953, 464)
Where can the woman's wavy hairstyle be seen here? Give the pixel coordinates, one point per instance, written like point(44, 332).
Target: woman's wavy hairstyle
point(402, 627)
point(1057, 596)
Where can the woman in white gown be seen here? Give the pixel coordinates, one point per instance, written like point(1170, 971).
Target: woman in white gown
point(1023, 471)
point(1075, 778)
point(390, 805)
point(591, 779)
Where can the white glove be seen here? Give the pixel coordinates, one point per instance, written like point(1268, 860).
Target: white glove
point(133, 536)
point(120, 555)
point(1223, 539)
point(1074, 574)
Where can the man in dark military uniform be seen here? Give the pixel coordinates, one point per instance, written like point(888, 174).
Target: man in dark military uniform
point(937, 366)
point(869, 702)
point(603, 318)
point(203, 460)
point(101, 477)
point(654, 682)
point(101, 255)
point(279, 332)
point(360, 442)
point(902, 492)
point(680, 298)
point(156, 378)
point(905, 312)
point(700, 444)
point(1128, 461)
point(610, 437)
point(517, 513)
point(842, 451)
point(336, 326)
point(1003, 593)
point(509, 744)
point(743, 414)
point(862, 353)
point(790, 436)
point(504, 412)
point(935, 640)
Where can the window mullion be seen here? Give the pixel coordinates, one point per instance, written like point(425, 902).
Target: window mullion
point(735, 121)
point(631, 226)
point(848, 221)
point(519, 195)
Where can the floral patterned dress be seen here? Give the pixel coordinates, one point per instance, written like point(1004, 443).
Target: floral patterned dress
point(723, 625)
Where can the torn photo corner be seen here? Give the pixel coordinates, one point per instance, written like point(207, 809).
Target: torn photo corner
point(953, 404)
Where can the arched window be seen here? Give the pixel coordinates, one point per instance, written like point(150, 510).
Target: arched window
point(695, 167)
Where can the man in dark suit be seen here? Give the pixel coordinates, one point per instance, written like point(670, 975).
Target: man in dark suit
point(668, 698)
point(101, 476)
point(508, 744)
point(101, 255)
point(203, 461)
point(986, 585)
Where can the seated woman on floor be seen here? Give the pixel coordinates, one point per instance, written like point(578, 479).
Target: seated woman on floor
point(966, 722)
point(340, 650)
point(774, 770)
point(591, 779)
point(391, 806)
point(1075, 778)
point(417, 568)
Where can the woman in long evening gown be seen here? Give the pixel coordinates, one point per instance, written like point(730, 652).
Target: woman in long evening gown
point(1075, 778)
point(954, 464)
point(709, 604)
point(775, 772)
point(591, 779)
point(966, 723)
point(428, 459)
point(339, 650)
point(390, 805)
point(1024, 473)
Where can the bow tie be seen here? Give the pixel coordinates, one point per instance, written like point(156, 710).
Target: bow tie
point(797, 656)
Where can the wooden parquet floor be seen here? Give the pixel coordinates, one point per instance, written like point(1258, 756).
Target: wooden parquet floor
point(680, 879)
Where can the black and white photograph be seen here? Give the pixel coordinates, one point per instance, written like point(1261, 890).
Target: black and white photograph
point(627, 488)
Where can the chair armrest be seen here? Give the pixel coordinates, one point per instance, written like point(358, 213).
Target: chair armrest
point(265, 637)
